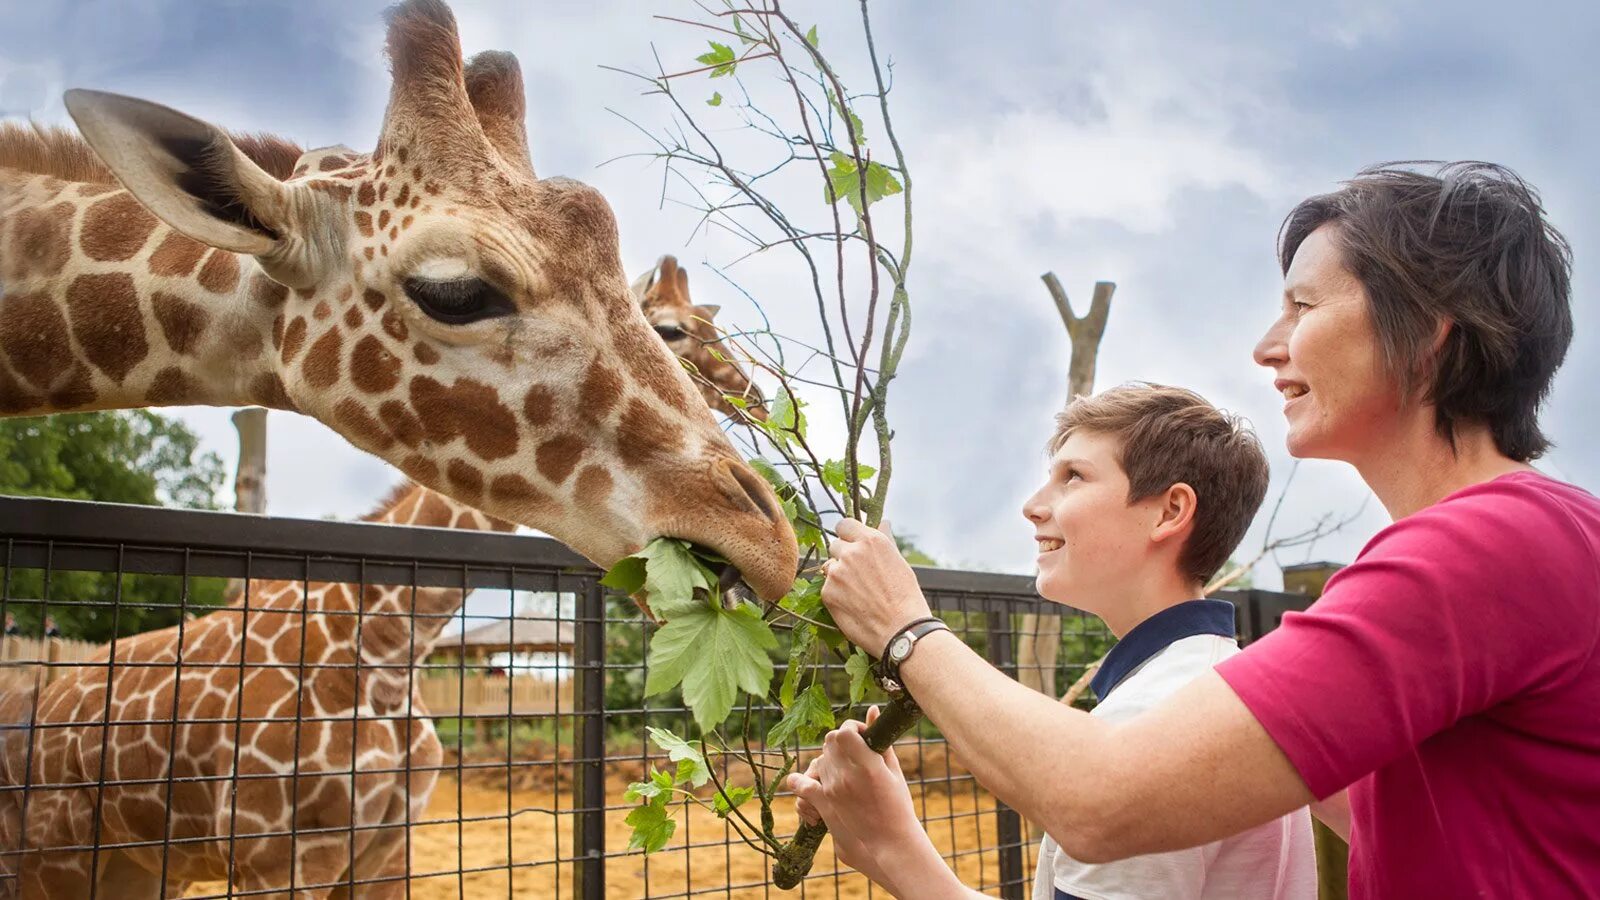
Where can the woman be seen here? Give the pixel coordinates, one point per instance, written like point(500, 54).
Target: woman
point(1449, 678)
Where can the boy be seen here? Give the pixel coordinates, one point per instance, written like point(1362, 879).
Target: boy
point(1150, 488)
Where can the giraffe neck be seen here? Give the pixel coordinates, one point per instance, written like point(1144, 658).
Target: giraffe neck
point(104, 307)
point(402, 624)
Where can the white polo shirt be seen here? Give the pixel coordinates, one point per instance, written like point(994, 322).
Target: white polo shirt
point(1276, 861)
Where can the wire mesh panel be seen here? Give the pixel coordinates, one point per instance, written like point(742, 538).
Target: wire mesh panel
point(210, 705)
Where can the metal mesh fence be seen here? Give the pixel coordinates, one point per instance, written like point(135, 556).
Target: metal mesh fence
point(166, 732)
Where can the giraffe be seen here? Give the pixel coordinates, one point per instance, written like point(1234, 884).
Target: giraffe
point(690, 332)
point(433, 301)
point(324, 670)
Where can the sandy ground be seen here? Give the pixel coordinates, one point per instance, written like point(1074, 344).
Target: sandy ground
point(483, 841)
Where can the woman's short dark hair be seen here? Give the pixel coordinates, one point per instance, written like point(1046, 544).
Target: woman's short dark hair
point(1466, 243)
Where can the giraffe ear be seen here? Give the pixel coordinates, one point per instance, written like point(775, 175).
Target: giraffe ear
point(188, 172)
point(709, 311)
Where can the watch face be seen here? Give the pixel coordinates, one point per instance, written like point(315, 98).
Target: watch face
point(900, 648)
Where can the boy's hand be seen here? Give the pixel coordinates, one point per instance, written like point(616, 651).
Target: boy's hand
point(864, 798)
point(870, 589)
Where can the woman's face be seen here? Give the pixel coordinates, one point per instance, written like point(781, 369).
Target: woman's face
point(1338, 399)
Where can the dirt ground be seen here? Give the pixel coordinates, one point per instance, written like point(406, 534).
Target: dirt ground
point(695, 860)
point(482, 841)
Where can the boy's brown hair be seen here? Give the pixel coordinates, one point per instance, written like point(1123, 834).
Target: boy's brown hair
point(1169, 435)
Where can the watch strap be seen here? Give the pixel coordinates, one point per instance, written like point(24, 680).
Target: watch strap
point(888, 668)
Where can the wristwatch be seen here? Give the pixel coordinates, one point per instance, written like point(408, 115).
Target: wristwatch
point(899, 649)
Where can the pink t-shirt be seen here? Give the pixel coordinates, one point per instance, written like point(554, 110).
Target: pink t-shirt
point(1449, 677)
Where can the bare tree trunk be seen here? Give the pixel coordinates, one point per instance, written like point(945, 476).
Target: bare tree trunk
point(250, 478)
point(1040, 640)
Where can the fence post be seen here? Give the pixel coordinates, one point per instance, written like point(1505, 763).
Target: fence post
point(1008, 824)
point(589, 781)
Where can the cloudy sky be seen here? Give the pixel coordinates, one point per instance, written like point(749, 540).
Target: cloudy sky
point(1156, 145)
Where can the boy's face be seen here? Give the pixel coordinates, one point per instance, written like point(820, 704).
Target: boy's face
point(1092, 543)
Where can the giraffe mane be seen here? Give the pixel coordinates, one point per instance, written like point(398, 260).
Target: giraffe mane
point(390, 500)
point(61, 152)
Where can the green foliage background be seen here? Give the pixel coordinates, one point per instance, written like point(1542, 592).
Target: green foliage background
point(135, 456)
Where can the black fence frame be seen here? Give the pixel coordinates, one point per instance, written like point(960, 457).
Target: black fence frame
point(65, 535)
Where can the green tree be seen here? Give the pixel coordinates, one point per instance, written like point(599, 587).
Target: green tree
point(136, 456)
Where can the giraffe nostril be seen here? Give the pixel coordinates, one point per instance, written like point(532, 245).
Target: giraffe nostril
point(756, 490)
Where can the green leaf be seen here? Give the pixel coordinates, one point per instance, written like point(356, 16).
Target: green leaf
point(716, 99)
point(738, 27)
point(787, 419)
point(801, 640)
point(859, 667)
point(811, 36)
point(714, 653)
point(668, 571)
point(846, 181)
point(808, 719)
point(730, 799)
point(841, 111)
point(681, 751)
point(641, 790)
point(835, 475)
point(664, 781)
point(627, 576)
point(721, 56)
point(652, 827)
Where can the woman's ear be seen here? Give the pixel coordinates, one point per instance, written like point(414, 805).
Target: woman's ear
point(1176, 513)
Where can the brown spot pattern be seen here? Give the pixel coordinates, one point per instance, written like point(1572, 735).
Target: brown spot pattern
point(293, 337)
point(116, 228)
point(268, 390)
point(176, 255)
point(34, 337)
point(372, 367)
point(406, 222)
point(367, 252)
point(383, 220)
point(321, 366)
point(643, 433)
point(220, 274)
point(267, 292)
point(601, 391)
point(395, 326)
point(245, 339)
point(40, 242)
point(330, 163)
point(104, 310)
point(361, 427)
point(404, 195)
point(181, 322)
point(539, 406)
point(466, 480)
point(594, 487)
point(277, 331)
point(557, 457)
point(173, 387)
point(366, 195)
point(397, 417)
point(469, 408)
point(14, 398)
point(425, 354)
point(322, 311)
point(517, 491)
point(353, 317)
point(373, 299)
point(420, 469)
point(364, 224)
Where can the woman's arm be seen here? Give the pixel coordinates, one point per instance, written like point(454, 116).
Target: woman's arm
point(1193, 770)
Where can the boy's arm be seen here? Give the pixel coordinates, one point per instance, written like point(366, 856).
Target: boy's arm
point(1107, 791)
point(876, 830)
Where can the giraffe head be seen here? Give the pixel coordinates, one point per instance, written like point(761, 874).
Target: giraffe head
point(690, 332)
point(440, 305)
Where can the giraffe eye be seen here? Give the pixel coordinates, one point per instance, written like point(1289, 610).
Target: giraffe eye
point(670, 332)
point(458, 301)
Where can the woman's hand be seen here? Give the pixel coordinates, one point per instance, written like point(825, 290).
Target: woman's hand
point(870, 589)
point(864, 799)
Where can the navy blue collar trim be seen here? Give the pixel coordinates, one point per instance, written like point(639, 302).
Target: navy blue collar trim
point(1155, 634)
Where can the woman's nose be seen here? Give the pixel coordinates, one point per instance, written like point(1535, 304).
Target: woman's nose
point(1273, 348)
